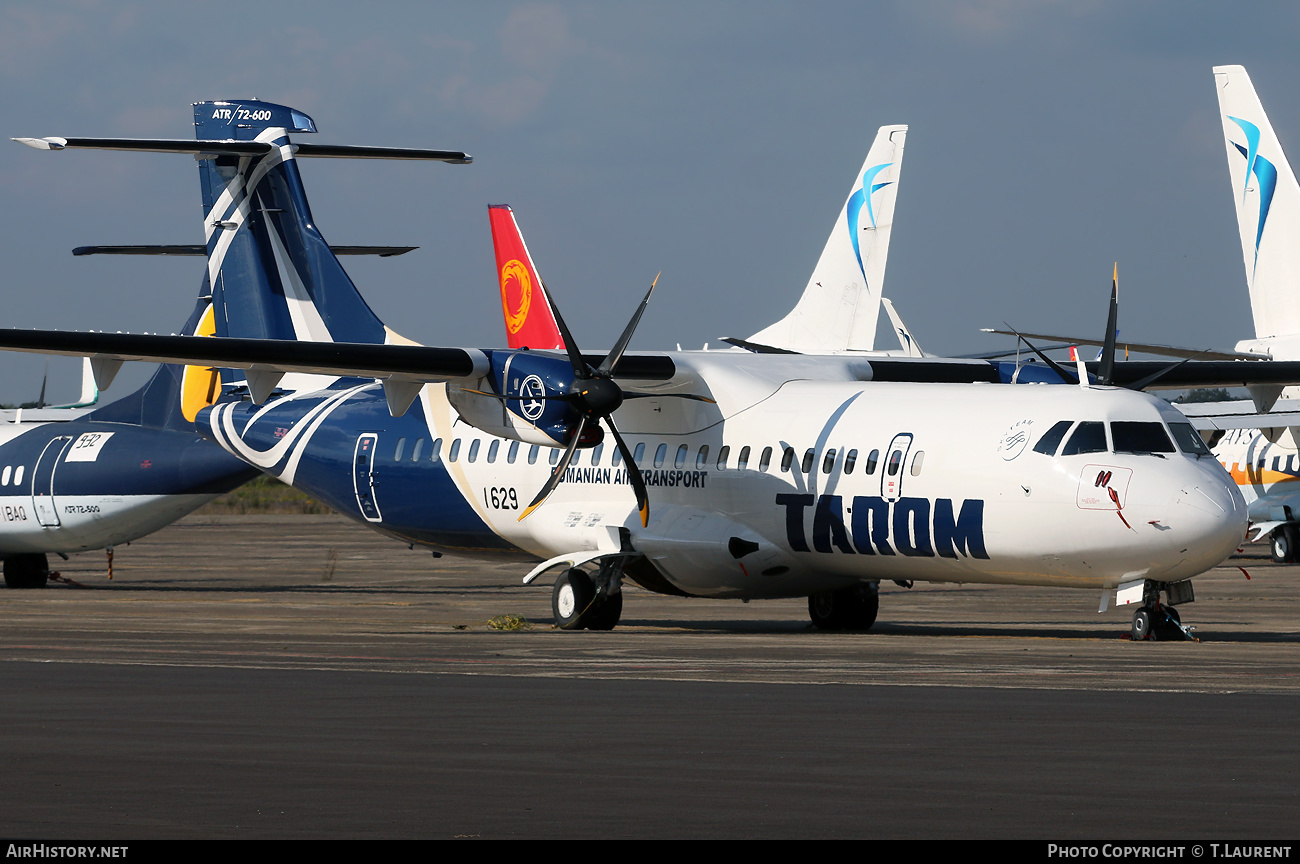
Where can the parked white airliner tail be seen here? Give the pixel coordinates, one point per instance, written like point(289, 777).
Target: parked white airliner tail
point(839, 308)
point(1267, 199)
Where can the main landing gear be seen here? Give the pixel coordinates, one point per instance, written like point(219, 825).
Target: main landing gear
point(1161, 621)
point(581, 601)
point(846, 609)
point(1284, 544)
point(27, 571)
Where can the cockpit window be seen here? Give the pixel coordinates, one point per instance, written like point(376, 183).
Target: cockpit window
point(1140, 438)
point(1052, 438)
point(1189, 440)
point(1088, 437)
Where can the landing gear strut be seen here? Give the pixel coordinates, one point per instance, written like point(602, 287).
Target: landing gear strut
point(27, 571)
point(580, 601)
point(1161, 621)
point(847, 609)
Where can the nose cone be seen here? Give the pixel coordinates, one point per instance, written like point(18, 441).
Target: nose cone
point(1210, 524)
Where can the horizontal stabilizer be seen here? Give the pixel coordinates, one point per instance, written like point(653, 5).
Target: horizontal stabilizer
point(200, 251)
point(243, 148)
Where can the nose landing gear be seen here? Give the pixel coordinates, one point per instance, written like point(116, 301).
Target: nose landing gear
point(1161, 621)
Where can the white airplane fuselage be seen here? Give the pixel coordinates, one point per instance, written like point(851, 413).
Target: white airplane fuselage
point(1266, 473)
point(893, 481)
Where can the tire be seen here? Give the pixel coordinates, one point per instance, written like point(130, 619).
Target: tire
point(27, 571)
point(868, 606)
point(1282, 544)
point(605, 615)
point(1141, 628)
point(571, 599)
point(825, 611)
point(847, 609)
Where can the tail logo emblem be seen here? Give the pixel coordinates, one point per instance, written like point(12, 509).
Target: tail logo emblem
point(516, 273)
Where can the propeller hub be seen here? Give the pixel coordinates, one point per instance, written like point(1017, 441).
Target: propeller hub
point(600, 396)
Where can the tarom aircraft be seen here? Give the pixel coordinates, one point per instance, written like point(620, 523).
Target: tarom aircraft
point(728, 474)
point(1256, 439)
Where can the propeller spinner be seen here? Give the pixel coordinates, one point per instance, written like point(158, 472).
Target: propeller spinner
point(595, 396)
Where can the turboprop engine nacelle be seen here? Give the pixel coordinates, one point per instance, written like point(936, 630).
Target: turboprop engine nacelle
point(524, 397)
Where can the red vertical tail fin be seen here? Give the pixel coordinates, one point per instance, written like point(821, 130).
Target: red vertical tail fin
point(528, 317)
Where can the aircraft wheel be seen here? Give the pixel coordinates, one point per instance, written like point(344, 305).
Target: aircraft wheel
point(867, 608)
point(1141, 628)
point(605, 615)
point(27, 571)
point(824, 611)
point(571, 598)
point(847, 609)
point(1283, 544)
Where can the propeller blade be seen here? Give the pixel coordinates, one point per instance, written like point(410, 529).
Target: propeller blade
point(1056, 367)
point(616, 353)
point(1151, 379)
point(40, 400)
point(558, 474)
point(633, 474)
point(627, 395)
point(1106, 372)
point(580, 369)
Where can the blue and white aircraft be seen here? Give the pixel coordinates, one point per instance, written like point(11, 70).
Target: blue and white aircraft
point(727, 474)
point(99, 479)
point(74, 481)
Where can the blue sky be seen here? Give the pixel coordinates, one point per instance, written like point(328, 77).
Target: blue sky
point(713, 141)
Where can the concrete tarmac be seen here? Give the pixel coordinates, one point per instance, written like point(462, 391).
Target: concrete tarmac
point(301, 676)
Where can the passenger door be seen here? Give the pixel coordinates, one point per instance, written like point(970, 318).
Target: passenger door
point(47, 512)
point(363, 476)
point(891, 476)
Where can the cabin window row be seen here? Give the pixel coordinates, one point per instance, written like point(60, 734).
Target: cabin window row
point(704, 457)
point(11, 473)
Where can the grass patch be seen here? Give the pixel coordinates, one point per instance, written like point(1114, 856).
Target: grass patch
point(509, 622)
point(264, 494)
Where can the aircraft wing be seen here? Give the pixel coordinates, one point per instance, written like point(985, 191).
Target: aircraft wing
point(1240, 414)
point(1203, 373)
point(353, 360)
point(1142, 347)
point(324, 358)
